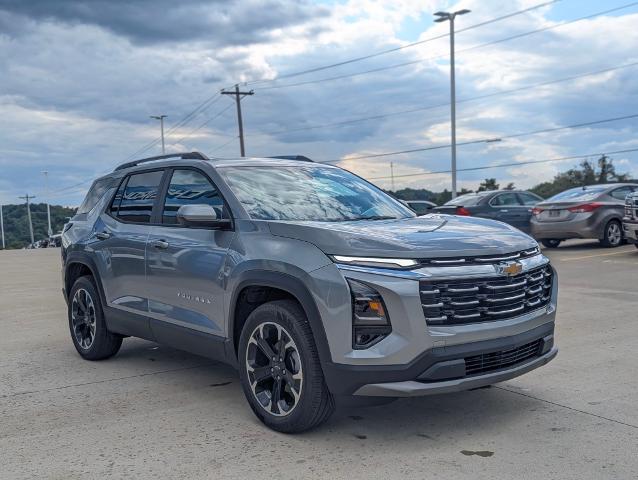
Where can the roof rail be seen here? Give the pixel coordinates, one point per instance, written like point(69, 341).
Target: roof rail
point(299, 158)
point(183, 156)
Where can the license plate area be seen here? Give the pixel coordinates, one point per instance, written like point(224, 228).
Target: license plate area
point(554, 213)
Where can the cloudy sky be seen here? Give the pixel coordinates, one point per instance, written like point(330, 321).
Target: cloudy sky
point(81, 77)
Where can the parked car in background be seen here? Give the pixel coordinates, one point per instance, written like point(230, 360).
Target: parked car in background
point(630, 220)
point(420, 207)
point(593, 211)
point(509, 206)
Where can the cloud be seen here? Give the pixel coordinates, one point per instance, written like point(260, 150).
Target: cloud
point(146, 22)
point(80, 80)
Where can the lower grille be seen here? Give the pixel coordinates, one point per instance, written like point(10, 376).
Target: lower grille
point(454, 302)
point(488, 362)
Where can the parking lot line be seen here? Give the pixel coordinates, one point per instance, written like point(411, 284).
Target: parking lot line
point(592, 256)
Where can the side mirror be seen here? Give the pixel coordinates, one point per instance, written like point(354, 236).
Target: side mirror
point(200, 216)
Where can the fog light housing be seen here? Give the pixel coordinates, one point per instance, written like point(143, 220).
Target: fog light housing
point(370, 320)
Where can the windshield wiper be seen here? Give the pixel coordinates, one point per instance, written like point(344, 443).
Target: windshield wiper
point(373, 217)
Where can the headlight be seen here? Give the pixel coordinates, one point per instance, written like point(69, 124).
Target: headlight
point(370, 320)
point(376, 262)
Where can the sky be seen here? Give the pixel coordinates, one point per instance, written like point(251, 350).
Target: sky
point(80, 78)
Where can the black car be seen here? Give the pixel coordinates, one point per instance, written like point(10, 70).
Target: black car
point(420, 207)
point(509, 206)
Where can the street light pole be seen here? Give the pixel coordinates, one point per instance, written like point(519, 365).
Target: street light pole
point(2, 227)
point(46, 193)
point(161, 119)
point(442, 17)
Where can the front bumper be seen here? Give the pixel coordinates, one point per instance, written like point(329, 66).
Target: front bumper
point(630, 229)
point(440, 370)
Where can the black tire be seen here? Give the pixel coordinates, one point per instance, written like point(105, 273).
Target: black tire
point(551, 242)
point(90, 320)
point(636, 244)
point(613, 236)
point(284, 320)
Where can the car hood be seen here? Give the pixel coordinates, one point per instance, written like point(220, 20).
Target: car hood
point(428, 236)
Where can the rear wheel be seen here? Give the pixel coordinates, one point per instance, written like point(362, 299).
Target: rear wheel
point(612, 235)
point(551, 242)
point(280, 371)
point(88, 329)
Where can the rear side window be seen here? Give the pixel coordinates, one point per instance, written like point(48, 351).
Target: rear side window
point(528, 199)
point(621, 193)
point(135, 197)
point(190, 187)
point(97, 190)
point(504, 199)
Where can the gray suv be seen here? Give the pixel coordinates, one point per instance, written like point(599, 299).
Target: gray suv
point(316, 285)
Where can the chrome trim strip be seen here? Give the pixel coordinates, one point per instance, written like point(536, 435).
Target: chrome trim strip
point(505, 312)
point(498, 300)
point(454, 260)
point(510, 285)
point(497, 259)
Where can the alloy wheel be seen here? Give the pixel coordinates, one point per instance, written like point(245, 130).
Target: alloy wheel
point(83, 318)
point(274, 369)
point(614, 234)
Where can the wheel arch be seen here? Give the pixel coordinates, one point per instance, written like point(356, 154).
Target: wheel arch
point(76, 266)
point(292, 288)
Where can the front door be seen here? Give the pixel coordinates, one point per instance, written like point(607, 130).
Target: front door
point(185, 266)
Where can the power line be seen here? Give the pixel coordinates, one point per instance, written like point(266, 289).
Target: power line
point(396, 49)
point(504, 137)
point(510, 164)
point(431, 107)
point(444, 55)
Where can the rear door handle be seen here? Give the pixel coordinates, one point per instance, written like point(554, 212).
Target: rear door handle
point(102, 235)
point(161, 244)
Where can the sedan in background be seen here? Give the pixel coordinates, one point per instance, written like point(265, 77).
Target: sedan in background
point(509, 206)
point(594, 211)
point(420, 207)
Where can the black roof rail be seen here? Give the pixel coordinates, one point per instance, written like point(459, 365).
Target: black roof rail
point(183, 156)
point(299, 158)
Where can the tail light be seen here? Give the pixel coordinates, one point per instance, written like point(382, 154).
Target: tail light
point(585, 207)
point(536, 211)
point(463, 211)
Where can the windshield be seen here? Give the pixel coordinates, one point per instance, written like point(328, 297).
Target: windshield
point(467, 200)
point(577, 194)
point(317, 193)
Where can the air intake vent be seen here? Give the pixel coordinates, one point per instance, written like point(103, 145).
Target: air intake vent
point(488, 362)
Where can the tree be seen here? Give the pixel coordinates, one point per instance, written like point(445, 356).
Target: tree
point(510, 186)
point(588, 173)
point(488, 184)
point(16, 226)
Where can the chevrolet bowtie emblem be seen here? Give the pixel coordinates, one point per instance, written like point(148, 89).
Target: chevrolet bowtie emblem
point(511, 268)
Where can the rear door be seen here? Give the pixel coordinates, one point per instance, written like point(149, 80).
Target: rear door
point(186, 266)
point(121, 235)
point(507, 208)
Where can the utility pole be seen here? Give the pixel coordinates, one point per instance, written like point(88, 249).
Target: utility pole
point(2, 227)
point(238, 98)
point(442, 17)
point(28, 197)
point(46, 193)
point(161, 119)
point(392, 174)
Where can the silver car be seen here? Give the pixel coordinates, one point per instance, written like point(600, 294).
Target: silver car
point(594, 211)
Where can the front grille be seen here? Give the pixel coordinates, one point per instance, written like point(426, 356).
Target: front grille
point(488, 362)
point(478, 260)
point(454, 302)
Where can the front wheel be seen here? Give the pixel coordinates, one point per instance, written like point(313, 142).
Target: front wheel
point(280, 370)
point(612, 235)
point(551, 242)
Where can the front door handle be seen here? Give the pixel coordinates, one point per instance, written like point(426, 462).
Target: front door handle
point(161, 244)
point(102, 235)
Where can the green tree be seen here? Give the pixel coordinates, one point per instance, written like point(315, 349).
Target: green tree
point(16, 224)
point(488, 184)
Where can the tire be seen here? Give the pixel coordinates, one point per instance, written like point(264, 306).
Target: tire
point(296, 377)
point(87, 326)
point(551, 242)
point(613, 236)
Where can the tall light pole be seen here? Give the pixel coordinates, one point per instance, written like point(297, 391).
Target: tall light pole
point(442, 17)
point(161, 119)
point(28, 197)
point(46, 193)
point(2, 227)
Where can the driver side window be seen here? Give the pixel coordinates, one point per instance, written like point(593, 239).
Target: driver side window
point(190, 187)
